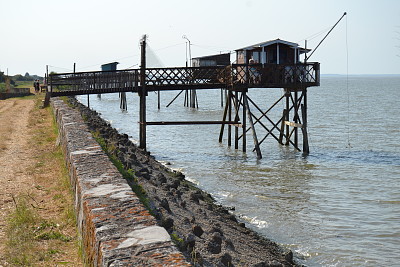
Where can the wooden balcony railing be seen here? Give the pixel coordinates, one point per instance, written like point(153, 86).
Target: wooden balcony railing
point(276, 76)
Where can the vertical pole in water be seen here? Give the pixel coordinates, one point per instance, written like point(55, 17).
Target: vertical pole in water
point(221, 133)
point(123, 104)
point(236, 119)
point(306, 149)
point(158, 100)
point(197, 102)
point(222, 97)
point(296, 118)
point(244, 122)
point(282, 127)
point(142, 94)
point(287, 115)
point(230, 119)
point(193, 98)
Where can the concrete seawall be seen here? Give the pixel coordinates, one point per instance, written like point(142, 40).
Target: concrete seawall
point(116, 229)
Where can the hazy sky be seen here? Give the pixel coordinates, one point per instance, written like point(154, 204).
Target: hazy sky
point(93, 32)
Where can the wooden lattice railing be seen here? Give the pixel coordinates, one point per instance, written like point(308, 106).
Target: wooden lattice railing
point(240, 75)
point(273, 75)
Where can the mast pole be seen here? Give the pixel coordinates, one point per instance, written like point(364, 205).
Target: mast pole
point(344, 14)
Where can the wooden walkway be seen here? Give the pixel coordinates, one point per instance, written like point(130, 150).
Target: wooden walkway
point(236, 79)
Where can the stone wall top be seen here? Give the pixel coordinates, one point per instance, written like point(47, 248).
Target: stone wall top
point(116, 229)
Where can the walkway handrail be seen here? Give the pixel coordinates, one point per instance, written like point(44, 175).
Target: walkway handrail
point(178, 78)
point(186, 76)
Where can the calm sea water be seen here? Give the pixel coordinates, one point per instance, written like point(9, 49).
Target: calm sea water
point(339, 206)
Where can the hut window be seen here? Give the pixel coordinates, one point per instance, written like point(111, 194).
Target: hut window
point(272, 58)
point(256, 57)
point(240, 57)
point(283, 56)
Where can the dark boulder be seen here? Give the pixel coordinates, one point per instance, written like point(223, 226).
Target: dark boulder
point(226, 259)
point(197, 230)
point(167, 223)
point(214, 248)
point(216, 238)
point(164, 203)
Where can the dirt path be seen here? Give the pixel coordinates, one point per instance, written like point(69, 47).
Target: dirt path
point(32, 170)
point(15, 157)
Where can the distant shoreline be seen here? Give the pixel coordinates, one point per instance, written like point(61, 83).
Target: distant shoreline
point(360, 75)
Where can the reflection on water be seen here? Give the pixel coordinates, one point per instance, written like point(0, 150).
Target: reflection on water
point(339, 206)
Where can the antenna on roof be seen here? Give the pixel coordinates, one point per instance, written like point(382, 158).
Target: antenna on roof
point(344, 14)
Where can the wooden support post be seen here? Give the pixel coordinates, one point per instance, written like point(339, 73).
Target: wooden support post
point(296, 119)
point(306, 149)
point(221, 133)
point(222, 97)
point(172, 101)
point(142, 94)
point(244, 147)
point(193, 98)
point(46, 102)
point(281, 134)
point(48, 93)
point(287, 115)
point(197, 102)
point(142, 121)
point(88, 96)
point(249, 114)
point(123, 105)
point(158, 100)
point(230, 119)
point(236, 119)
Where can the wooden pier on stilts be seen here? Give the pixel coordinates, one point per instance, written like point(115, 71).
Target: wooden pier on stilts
point(272, 64)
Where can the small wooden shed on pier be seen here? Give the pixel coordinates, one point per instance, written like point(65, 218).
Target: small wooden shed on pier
point(271, 52)
point(213, 60)
point(109, 66)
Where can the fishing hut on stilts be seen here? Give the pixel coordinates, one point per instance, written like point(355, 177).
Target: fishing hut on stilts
point(271, 64)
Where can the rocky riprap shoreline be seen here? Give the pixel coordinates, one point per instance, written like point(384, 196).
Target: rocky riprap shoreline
point(206, 233)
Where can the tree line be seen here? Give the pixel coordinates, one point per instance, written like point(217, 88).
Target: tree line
point(17, 78)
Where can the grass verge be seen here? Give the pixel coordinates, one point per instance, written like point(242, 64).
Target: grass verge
point(41, 231)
